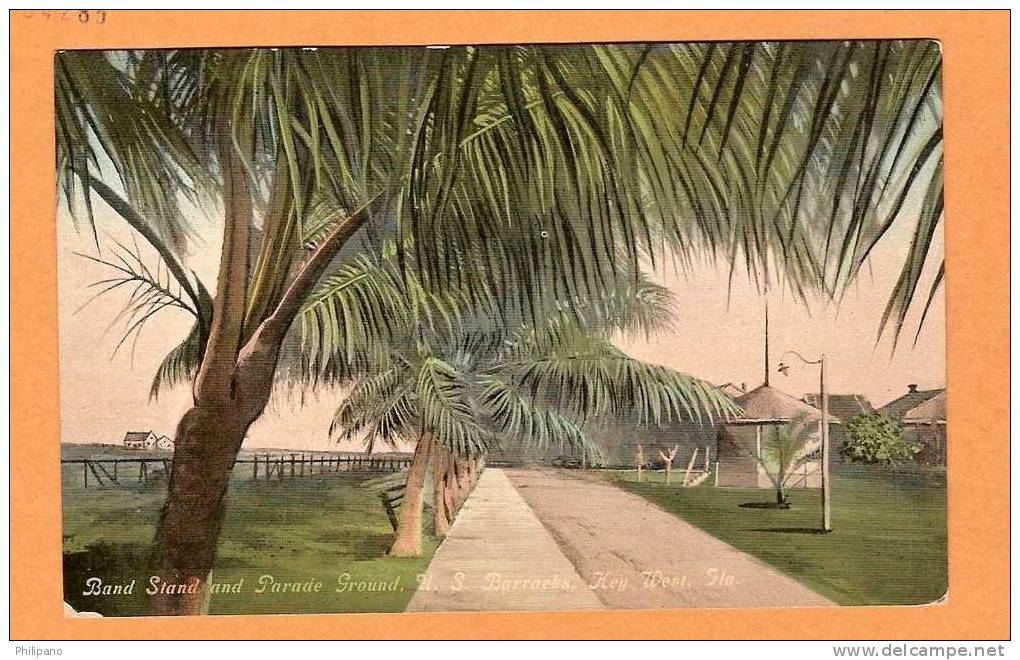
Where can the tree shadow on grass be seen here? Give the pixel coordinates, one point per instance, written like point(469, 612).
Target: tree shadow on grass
point(791, 530)
point(765, 505)
point(372, 546)
point(359, 544)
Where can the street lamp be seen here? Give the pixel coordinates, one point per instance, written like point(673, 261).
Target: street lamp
point(826, 495)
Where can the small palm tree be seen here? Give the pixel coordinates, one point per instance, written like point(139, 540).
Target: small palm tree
point(787, 447)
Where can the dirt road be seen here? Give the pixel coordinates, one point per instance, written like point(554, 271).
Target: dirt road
point(632, 554)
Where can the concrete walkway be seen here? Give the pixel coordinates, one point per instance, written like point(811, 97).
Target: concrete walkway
point(498, 556)
point(635, 555)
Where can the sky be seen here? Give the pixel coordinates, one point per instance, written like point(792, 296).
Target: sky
point(714, 337)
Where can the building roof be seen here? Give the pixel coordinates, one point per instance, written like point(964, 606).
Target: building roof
point(914, 397)
point(732, 390)
point(931, 411)
point(843, 406)
point(136, 436)
point(767, 404)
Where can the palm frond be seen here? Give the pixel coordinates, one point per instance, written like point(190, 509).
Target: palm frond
point(795, 147)
point(528, 176)
point(518, 418)
point(588, 377)
point(364, 307)
point(444, 401)
point(104, 120)
point(379, 408)
point(150, 291)
point(181, 364)
point(785, 448)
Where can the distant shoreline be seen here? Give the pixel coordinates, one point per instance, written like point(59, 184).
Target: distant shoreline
point(91, 447)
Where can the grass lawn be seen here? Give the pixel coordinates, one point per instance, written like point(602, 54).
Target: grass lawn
point(888, 544)
point(312, 528)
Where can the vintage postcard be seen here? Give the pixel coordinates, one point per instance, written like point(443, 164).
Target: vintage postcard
point(526, 326)
point(501, 327)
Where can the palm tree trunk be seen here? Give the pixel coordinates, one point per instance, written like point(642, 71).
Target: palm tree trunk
point(781, 491)
point(449, 490)
point(408, 540)
point(475, 466)
point(227, 399)
point(232, 386)
point(185, 546)
point(462, 480)
point(441, 514)
point(231, 391)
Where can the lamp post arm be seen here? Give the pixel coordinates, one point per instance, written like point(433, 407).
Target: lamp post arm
point(801, 358)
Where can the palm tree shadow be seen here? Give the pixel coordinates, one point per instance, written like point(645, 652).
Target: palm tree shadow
point(371, 546)
point(764, 505)
point(360, 545)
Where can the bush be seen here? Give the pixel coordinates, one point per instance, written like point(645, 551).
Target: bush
point(874, 438)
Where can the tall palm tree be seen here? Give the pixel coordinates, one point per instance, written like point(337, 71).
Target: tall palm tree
point(558, 168)
point(457, 394)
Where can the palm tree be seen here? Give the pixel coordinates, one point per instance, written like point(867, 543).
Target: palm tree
point(560, 169)
point(457, 394)
point(785, 449)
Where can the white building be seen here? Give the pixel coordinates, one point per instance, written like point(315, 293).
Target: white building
point(140, 440)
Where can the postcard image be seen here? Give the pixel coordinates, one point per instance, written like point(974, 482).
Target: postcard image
point(501, 327)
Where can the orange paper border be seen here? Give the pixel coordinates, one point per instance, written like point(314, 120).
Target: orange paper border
point(976, 50)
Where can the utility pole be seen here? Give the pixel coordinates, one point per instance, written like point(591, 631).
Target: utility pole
point(766, 339)
point(826, 483)
point(826, 490)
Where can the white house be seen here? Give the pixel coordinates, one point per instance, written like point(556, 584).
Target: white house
point(140, 440)
point(164, 443)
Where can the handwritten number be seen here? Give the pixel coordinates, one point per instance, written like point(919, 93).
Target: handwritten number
point(84, 15)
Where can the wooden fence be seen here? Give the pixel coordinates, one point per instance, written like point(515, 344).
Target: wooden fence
point(123, 472)
point(281, 466)
point(118, 471)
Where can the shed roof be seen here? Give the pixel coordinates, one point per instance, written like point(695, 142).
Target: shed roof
point(931, 411)
point(914, 397)
point(770, 405)
point(843, 406)
point(136, 436)
point(731, 390)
